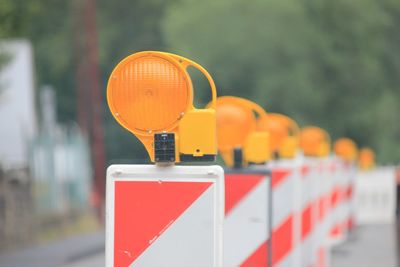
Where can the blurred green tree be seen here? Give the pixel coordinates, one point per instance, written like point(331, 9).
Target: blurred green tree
point(329, 63)
point(123, 27)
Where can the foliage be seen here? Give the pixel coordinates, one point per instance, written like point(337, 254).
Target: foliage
point(330, 63)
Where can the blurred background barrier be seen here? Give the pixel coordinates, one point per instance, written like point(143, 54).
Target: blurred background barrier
point(375, 196)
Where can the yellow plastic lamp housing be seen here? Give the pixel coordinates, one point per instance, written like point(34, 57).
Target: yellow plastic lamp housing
point(256, 147)
point(289, 147)
point(236, 128)
point(284, 134)
point(150, 93)
point(366, 159)
point(346, 149)
point(315, 142)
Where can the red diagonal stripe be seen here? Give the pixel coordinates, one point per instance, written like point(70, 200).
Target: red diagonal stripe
point(237, 186)
point(144, 210)
point(305, 170)
point(336, 230)
point(321, 257)
point(349, 192)
point(350, 223)
point(282, 241)
point(306, 221)
point(258, 258)
point(321, 208)
point(335, 196)
point(333, 167)
point(279, 175)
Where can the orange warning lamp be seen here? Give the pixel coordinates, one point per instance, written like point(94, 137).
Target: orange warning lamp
point(346, 149)
point(150, 94)
point(284, 134)
point(366, 158)
point(315, 142)
point(236, 130)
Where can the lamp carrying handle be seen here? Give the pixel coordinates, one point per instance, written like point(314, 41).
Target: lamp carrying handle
point(185, 63)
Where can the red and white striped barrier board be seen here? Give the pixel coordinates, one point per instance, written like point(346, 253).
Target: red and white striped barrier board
point(285, 230)
point(164, 216)
point(338, 203)
point(349, 198)
point(331, 170)
point(324, 170)
point(309, 212)
point(246, 217)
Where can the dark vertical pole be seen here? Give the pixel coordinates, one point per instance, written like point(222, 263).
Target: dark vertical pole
point(82, 98)
point(97, 144)
point(89, 94)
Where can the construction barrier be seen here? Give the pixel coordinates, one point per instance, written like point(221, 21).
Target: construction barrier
point(323, 173)
point(289, 212)
point(335, 199)
point(315, 186)
point(286, 222)
point(341, 200)
point(307, 199)
point(375, 196)
point(247, 214)
point(164, 216)
point(348, 197)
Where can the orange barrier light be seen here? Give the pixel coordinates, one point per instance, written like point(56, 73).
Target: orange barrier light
point(236, 124)
point(346, 149)
point(315, 141)
point(151, 95)
point(366, 158)
point(284, 134)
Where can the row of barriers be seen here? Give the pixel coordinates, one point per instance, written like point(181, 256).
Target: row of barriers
point(283, 198)
point(285, 213)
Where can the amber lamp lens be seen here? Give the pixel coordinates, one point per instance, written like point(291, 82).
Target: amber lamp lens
point(234, 123)
point(310, 140)
point(345, 148)
point(366, 157)
point(277, 129)
point(148, 93)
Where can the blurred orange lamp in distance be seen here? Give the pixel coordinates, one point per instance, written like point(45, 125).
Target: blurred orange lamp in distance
point(346, 149)
point(151, 95)
point(236, 129)
point(284, 134)
point(314, 141)
point(366, 159)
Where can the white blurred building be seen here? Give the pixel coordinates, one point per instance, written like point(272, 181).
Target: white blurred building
point(18, 119)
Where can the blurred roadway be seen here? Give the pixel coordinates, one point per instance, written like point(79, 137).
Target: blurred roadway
point(368, 246)
point(80, 251)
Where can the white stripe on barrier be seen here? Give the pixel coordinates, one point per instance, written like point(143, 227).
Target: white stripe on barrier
point(283, 195)
point(246, 225)
point(194, 224)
